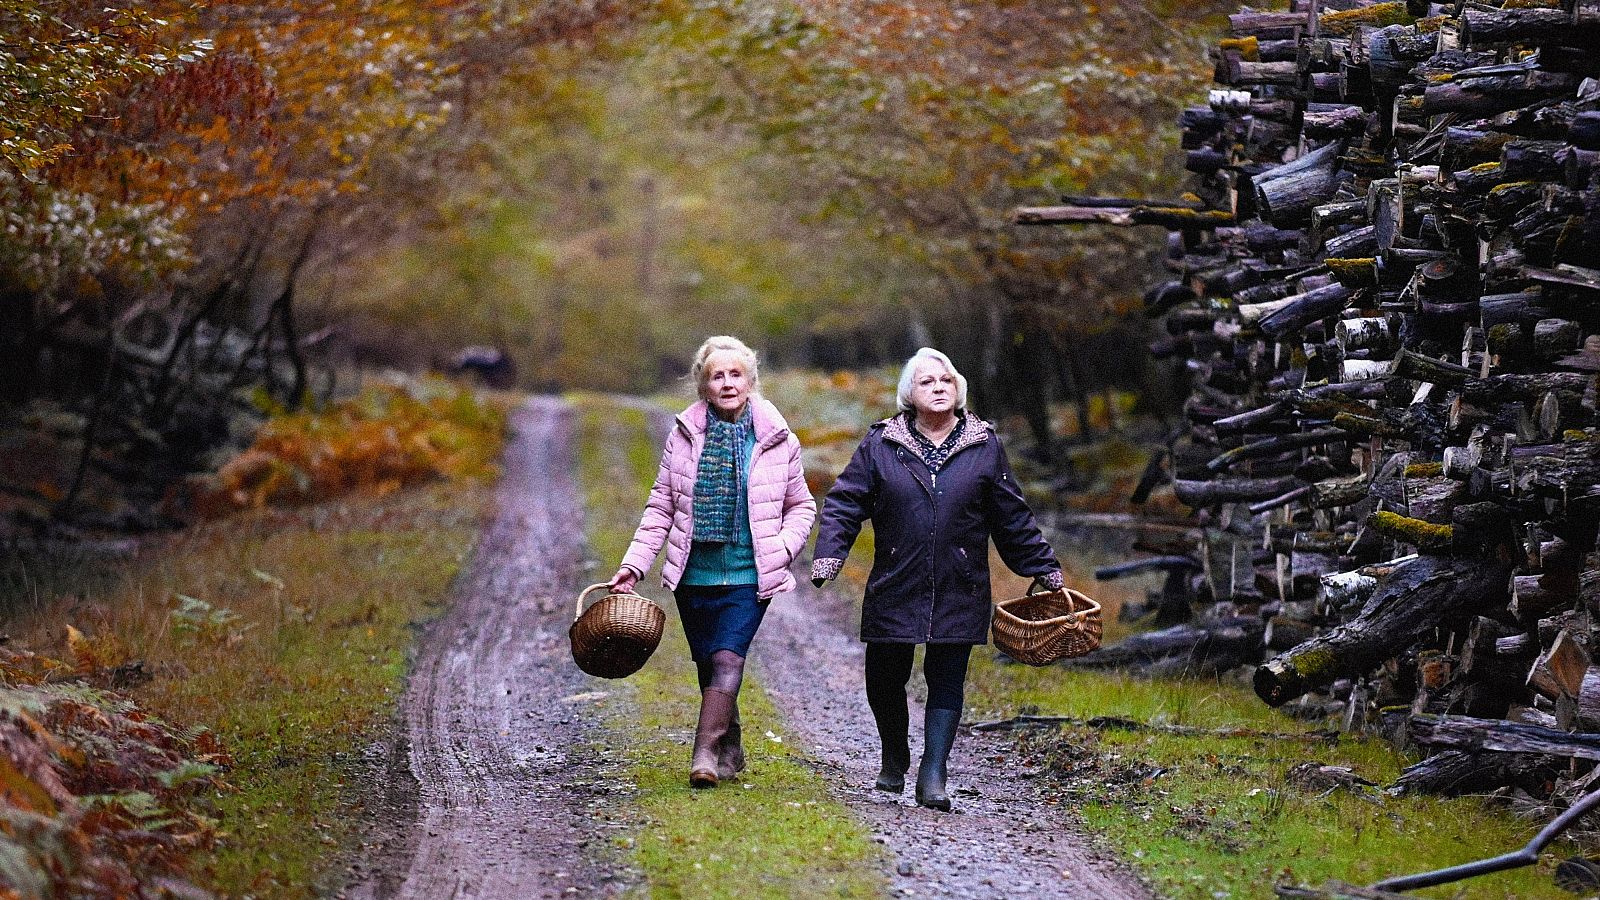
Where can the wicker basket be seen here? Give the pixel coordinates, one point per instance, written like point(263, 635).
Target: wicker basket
point(614, 637)
point(1039, 629)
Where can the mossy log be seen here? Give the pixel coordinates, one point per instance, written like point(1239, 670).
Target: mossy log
point(1378, 15)
point(1420, 533)
point(1417, 597)
point(1470, 146)
point(1356, 272)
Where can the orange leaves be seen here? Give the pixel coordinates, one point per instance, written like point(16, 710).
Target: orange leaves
point(386, 438)
point(99, 800)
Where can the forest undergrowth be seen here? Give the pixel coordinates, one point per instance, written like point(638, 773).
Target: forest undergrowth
point(261, 654)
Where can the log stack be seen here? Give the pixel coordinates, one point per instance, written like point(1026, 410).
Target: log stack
point(1385, 289)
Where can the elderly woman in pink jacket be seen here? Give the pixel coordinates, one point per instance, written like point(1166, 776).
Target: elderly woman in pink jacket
point(731, 506)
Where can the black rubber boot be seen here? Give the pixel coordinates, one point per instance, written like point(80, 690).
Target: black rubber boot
point(938, 736)
point(893, 721)
point(896, 745)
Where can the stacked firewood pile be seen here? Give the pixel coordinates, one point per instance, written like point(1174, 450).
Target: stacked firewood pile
point(1387, 296)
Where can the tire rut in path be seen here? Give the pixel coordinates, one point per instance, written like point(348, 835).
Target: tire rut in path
point(510, 799)
point(1003, 841)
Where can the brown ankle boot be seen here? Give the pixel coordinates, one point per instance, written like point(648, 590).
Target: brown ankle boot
point(716, 711)
point(730, 752)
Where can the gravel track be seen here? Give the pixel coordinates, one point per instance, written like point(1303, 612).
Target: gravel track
point(512, 793)
point(1002, 840)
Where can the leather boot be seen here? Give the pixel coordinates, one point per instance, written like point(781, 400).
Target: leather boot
point(896, 748)
point(938, 736)
point(716, 711)
point(730, 752)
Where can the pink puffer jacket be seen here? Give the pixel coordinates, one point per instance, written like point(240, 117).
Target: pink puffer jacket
point(781, 508)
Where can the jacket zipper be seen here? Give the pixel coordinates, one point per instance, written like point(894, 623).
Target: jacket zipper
point(933, 478)
point(933, 498)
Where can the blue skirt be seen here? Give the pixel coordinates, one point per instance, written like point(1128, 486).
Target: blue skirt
point(719, 617)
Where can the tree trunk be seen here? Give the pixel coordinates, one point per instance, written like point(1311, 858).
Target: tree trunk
point(19, 344)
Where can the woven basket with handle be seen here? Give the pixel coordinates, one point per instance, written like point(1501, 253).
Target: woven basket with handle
point(616, 635)
point(1040, 628)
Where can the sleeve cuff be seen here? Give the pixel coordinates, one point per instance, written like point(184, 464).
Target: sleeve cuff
point(826, 569)
point(638, 575)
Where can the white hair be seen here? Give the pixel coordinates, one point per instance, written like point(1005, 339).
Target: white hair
point(902, 393)
point(719, 344)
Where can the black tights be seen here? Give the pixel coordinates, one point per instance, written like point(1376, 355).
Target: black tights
point(723, 671)
point(889, 668)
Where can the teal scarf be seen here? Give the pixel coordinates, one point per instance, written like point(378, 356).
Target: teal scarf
point(720, 477)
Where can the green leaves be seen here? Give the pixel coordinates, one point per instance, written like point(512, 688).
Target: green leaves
point(928, 122)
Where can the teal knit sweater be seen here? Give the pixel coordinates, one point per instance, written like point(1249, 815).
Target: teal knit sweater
point(734, 562)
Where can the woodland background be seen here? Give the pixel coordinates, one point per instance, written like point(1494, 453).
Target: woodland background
point(213, 210)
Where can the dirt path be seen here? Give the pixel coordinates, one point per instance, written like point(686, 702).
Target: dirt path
point(510, 795)
point(1003, 839)
point(507, 787)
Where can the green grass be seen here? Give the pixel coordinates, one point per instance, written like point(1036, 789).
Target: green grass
point(296, 662)
point(1212, 816)
point(773, 833)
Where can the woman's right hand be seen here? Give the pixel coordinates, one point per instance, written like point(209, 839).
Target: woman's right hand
point(623, 581)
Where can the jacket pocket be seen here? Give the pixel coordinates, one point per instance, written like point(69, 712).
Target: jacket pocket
point(966, 568)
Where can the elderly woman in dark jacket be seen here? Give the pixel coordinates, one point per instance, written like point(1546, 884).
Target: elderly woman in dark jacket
point(936, 484)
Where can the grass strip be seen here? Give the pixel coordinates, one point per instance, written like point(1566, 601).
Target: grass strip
point(1210, 815)
point(287, 634)
point(774, 833)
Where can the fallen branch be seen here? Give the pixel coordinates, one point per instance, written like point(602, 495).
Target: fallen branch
point(1117, 723)
point(1527, 856)
point(1467, 733)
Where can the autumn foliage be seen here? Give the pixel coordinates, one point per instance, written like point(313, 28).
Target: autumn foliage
point(387, 437)
point(97, 799)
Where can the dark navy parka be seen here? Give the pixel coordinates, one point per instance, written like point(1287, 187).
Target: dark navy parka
point(930, 569)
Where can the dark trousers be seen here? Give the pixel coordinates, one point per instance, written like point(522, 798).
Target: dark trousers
point(944, 666)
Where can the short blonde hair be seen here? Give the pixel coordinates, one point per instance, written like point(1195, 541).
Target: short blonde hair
point(903, 392)
point(723, 344)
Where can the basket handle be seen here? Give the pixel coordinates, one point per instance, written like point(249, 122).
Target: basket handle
point(1071, 617)
point(586, 592)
